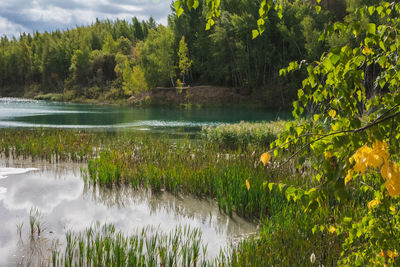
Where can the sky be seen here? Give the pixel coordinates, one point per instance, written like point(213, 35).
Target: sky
point(18, 16)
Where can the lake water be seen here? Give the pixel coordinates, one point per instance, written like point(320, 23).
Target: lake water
point(30, 113)
point(67, 203)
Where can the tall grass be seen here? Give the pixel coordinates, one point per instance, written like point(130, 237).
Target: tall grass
point(243, 134)
point(105, 246)
point(189, 167)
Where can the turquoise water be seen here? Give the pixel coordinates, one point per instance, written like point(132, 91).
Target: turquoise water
point(30, 113)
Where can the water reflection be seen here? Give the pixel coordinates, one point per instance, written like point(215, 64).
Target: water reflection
point(25, 113)
point(59, 192)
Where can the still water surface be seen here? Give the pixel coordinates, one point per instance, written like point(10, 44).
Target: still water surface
point(31, 113)
point(67, 203)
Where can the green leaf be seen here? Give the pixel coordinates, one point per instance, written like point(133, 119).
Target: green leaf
point(371, 10)
point(270, 186)
point(255, 33)
point(334, 59)
point(371, 28)
point(178, 8)
point(300, 93)
point(382, 45)
point(318, 9)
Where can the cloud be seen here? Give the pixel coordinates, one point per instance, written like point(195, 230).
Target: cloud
point(9, 28)
point(47, 15)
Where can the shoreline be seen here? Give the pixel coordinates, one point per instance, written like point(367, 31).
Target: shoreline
point(191, 97)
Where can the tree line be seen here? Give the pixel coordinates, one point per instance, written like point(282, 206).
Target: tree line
point(115, 59)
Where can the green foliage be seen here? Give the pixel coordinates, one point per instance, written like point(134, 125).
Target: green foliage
point(184, 62)
point(225, 55)
point(132, 76)
point(157, 57)
point(352, 98)
point(79, 66)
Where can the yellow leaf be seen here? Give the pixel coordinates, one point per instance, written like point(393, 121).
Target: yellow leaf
point(265, 158)
point(385, 170)
point(247, 185)
point(391, 172)
point(332, 229)
point(393, 187)
point(366, 50)
point(328, 155)
point(348, 177)
point(392, 209)
point(392, 254)
point(373, 203)
point(332, 113)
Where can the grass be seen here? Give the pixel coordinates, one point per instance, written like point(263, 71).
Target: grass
point(243, 134)
point(104, 246)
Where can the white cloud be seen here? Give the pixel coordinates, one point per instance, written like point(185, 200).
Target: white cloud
point(51, 14)
point(29, 15)
point(10, 29)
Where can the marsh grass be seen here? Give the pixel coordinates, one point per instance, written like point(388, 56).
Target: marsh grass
point(186, 166)
point(190, 168)
point(243, 134)
point(103, 245)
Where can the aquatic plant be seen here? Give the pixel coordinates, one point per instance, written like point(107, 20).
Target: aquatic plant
point(240, 135)
point(102, 245)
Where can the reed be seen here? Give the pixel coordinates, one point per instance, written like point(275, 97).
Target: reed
point(102, 245)
point(243, 134)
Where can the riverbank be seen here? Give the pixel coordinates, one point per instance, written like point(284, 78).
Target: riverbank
point(186, 97)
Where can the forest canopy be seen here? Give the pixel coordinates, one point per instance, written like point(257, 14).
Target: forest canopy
point(119, 58)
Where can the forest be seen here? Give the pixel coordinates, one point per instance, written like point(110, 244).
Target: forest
point(115, 59)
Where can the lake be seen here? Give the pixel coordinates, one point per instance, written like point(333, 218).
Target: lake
point(66, 202)
point(16, 113)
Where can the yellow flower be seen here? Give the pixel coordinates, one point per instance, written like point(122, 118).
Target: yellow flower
point(332, 229)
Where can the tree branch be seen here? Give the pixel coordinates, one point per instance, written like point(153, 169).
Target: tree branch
point(353, 131)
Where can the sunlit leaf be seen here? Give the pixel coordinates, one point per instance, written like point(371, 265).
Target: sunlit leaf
point(373, 203)
point(332, 113)
point(265, 158)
